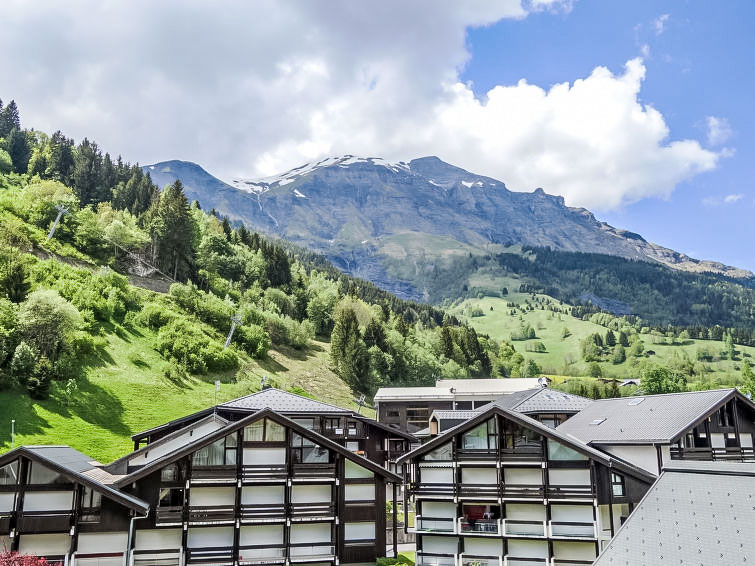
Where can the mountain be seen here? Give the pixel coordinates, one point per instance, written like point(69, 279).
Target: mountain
point(368, 215)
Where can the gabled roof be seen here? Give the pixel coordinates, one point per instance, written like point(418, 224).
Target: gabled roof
point(696, 513)
point(234, 426)
point(281, 402)
point(530, 423)
point(80, 468)
point(188, 419)
point(449, 389)
point(646, 419)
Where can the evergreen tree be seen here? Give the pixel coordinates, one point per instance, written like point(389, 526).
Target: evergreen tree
point(374, 335)
point(447, 342)
point(14, 282)
point(610, 340)
point(172, 230)
point(61, 161)
point(9, 119)
point(226, 225)
point(623, 339)
point(748, 375)
point(18, 148)
point(87, 173)
point(348, 351)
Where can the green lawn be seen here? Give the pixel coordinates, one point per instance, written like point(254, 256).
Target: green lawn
point(126, 390)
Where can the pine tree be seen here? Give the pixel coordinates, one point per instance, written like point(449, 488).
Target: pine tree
point(610, 338)
point(374, 335)
point(18, 149)
point(172, 229)
point(87, 173)
point(623, 339)
point(447, 342)
point(61, 160)
point(9, 119)
point(346, 326)
point(14, 282)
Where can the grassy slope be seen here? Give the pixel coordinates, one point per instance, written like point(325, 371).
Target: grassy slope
point(499, 324)
point(126, 390)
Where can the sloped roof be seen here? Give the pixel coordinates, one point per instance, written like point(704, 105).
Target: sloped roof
point(461, 387)
point(529, 422)
point(82, 468)
point(644, 419)
point(696, 513)
point(281, 402)
point(542, 400)
point(391, 393)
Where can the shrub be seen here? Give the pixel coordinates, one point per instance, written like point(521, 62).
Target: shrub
point(22, 364)
point(155, 315)
point(183, 343)
point(45, 319)
point(38, 383)
point(254, 340)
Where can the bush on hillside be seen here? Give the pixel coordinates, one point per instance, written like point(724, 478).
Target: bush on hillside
point(45, 319)
point(253, 339)
point(183, 343)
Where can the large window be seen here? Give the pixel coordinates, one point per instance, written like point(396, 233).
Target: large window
point(305, 451)
point(417, 418)
point(9, 473)
point(442, 453)
point(171, 497)
point(264, 430)
point(521, 440)
point(557, 451)
point(220, 453)
point(91, 501)
point(42, 475)
point(617, 485)
point(482, 437)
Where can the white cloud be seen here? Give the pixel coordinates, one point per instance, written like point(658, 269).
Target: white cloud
point(731, 199)
point(712, 201)
point(255, 88)
point(659, 24)
point(719, 130)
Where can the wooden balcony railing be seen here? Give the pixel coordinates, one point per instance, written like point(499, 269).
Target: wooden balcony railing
point(210, 554)
point(212, 515)
point(490, 454)
point(169, 515)
point(570, 562)
point(314, 470)
point(477, 560)
point(312, 509)
point(261, 512)
point(743, 454)
point(213, 474)
point(480, 526)
point(522, 490)
point(480, 490)
point(157, 557)
point(571, 491)
point(444, 489)
point(302, 552)
point(263, 472)
point(44, 521)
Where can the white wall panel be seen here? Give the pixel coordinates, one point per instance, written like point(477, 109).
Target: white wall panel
point(99, 561)
point(48, 500)
point(483, 546)
point(643, 456)
point(260, 534)
point(525, 476)
point(6, 501)
point(210, 536)
point(528, 548)
point(262, 495)
point(439, 509)
point(486, 476)
point(359, 492)
point(94, 543)
point(525, 511)
point(575, 513)
point(573, 550)
point(359, 531)
point(44, 545)
point(264, 456)
point(209, 496)
point(310, 533)
point(436, 475)
point(440, 545)
point(156, 539)
point(311, 493)
point(568, 477)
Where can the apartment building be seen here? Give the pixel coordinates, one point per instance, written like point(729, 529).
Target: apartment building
point(260, 490)
point(652, 431)
point(706, 512)
point(409, 408)
point(503, 489)
point(364, 436)
point(549, 406)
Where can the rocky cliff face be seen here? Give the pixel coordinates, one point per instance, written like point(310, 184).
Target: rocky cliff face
point(358, 211)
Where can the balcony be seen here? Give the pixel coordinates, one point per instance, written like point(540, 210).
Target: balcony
point(479, 490)
point(44, 521)
point(434, 559)
point(524, 528)
point(210, 555)
point(215, 515)
point(730, 454)
point(474, 560)
point(311, 552)
point(570, 562)
point(573, 530)
point(434, 524)
point(509, 560)
point(213, 474)
point(571, 492)
point(357, 430)
point(264, 473)
point(262, 513)
point(262, 554)
point(157, 557)
point(522, 491)
point(312, 510)
point(477, 454)
point(434, 489)
point(314, 470)
point(5, 521)
point(169, 515)
point(491, 527)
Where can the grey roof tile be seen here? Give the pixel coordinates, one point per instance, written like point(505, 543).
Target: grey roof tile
point(693, 515)
point(282, 402)
point(656, 418)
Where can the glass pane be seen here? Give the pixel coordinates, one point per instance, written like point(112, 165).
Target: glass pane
point(230, 456)
point(441, 453)
point(39, 474)
point(169, 473)
point(9, 474)
point(557, 451)
point(230, 441)
point(275, 432)
point(477, 438)
point(211, 455)
point(253, 432)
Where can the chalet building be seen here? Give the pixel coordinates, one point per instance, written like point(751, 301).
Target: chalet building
point(654, 430)
point(548, 406)
point(260, 490)
point(503, 489)
point(409, 408)
point(706, 514)
point(364, 436)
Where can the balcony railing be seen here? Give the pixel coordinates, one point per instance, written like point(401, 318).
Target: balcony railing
point(213, 474)
point(263, 511)
point(480, 526)
point(570, 562)
point(357, 431)
point(263, 472)
point(573, 529)
point(571, 491)
point(435, 559)
point(744, 454)
point(481, 490)
point(262, 554)
point(5, 521)
point(301, 552)
point(490, 454)
point(157, 557)
point(430, 489)
point(44, 521)
point(434, 524)
point(169, 515)
point(519, 527)
point(312, 509)
point(216, 514)
point(522, 490)
point(210, 554)
point(314, 470)
point(509, 560)
point(474, 560)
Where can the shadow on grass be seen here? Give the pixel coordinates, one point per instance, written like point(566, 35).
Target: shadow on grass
point(269, 364)
point(90, 403)
point(16, 404)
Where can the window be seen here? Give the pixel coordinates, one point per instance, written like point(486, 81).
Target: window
point(482, 437)
point(42, 475)
point(264, 430)
point(617, 485)
point(442, 453)
point(417, 418)
point(393, 413)
point(332, 424)
point(169, 473)
point(171, 497)
point(220, 453)
point(557, 451)
point(91, 501)
point(520, 440)
point(598, 421)
point(305, 451)
point(9, 473)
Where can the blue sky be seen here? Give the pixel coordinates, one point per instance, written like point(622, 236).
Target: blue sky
point(699, 64)
point(615, 110)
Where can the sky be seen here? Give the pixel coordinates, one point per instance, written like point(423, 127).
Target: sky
point(638, 110)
